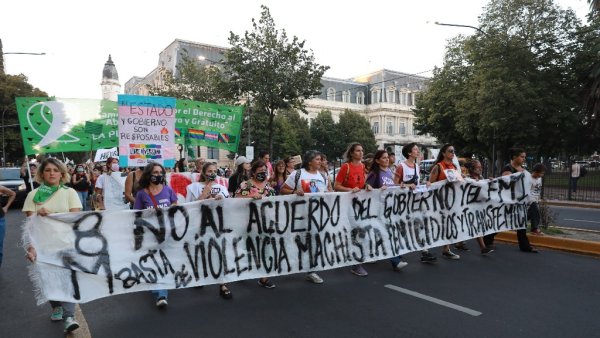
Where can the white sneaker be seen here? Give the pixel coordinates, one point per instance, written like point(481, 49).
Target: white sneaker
point(161, 302)
point(313, 277)
point(70, 324)
point(400, 265)
point(450, 255)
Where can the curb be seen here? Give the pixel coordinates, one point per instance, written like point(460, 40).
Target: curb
point(573, 204)
point(570, 245)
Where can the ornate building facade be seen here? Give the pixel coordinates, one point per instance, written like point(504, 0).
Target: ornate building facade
point(110, 81)
point(384, 97)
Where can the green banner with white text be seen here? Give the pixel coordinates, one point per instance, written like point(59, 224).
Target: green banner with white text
point(50, 125)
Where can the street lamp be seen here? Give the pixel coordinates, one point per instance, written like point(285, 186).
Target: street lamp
point(493, 123)
point(180, 148)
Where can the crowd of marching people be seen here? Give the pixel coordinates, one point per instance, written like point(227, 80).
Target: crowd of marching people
point(59, 187)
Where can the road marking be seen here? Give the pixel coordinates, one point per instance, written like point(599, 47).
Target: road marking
point(434, 300)
point(581, 220)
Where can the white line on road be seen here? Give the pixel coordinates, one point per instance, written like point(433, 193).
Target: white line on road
point(434, 300)
point(581, 220)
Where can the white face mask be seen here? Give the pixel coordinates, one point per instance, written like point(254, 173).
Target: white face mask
point(114, 167)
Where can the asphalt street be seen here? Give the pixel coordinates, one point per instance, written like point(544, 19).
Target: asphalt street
point(508, 293)
point(580, 218)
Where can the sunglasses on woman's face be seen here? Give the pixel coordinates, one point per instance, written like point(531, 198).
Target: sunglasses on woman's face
point(450, 151)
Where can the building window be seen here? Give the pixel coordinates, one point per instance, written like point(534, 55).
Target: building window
point(331, 94)
point(409, 99)
point(375, 96)
point(391, 96)
point(389, 128)
point(375, 127)
point(213, 153)
point(360, 98)
point(346, 96)
point(402, 129)
point(415, 131)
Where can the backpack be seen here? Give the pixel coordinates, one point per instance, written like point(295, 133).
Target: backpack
point(582, 172)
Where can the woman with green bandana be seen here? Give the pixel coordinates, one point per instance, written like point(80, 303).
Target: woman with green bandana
point(52, 196)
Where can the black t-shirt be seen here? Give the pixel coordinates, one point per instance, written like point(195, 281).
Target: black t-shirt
point(84, 185)
point(27, 185)
point(510, 168)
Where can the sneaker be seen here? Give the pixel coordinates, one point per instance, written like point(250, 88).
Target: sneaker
point(400, 265)
point(428, 257)
point(486, 251)
point(313, 277)
point(359, 271)
point(266, 284)
point(450, 255)
point(161, 302)
point(57, 314)
point(461, 246)
point(70, 324)
point(537, 232)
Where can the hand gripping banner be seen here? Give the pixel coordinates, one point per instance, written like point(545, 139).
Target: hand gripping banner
point(89, 255)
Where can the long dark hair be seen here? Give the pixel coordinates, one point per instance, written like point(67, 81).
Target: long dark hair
point(375, 169)
point(180, 166)
point(145, 179)
point(276, 174)
point(440, 156)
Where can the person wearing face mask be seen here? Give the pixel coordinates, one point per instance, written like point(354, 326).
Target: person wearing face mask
point(154, 193)
point(257, 187)
point(207, 188)
point(112, 165)
point(80, 181)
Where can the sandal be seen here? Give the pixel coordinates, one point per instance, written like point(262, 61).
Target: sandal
point(224, 292)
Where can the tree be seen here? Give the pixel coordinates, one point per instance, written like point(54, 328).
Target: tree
point(12, 86)
point(197, 82)
point(275, 72)
point(508, 84)
point(355, 128)
point(326, 135)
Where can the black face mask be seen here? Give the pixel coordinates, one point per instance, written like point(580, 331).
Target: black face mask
point(211, 177)
point(261, 177)
point(156, 179)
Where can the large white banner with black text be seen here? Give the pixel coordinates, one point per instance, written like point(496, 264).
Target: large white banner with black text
point(88, 255)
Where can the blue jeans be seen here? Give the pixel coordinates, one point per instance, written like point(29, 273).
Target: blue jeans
point(574, 184)
point(83, 195)
point(395, 260)
point(161, 293)
point(2, 233)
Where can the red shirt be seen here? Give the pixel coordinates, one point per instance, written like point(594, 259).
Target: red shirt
point(351, 175)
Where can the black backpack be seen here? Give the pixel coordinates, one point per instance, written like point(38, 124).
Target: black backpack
point(582, 171)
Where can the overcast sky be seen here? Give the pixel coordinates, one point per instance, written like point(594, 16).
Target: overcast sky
point(352, 37)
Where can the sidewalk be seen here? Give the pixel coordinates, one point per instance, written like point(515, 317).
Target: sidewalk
point(575, 204)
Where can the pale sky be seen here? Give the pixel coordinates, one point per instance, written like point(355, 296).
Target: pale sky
point(352, 37)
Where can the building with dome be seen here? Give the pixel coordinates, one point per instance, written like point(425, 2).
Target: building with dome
point(110, 81)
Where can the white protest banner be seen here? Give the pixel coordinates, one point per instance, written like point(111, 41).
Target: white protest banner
point(146, 130)
point(86, 256)
point(103, 154)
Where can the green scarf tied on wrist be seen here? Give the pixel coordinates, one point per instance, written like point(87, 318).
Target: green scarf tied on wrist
point(44, 193)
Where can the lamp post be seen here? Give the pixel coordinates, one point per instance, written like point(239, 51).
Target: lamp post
point(180, 148)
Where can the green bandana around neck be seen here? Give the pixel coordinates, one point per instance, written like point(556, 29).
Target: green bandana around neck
point(44, 193)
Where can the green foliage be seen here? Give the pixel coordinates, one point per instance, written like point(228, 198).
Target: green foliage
point(275, 72)
point(326, 135)
point(355, 128)
point(12, 86)
point(197, 82)
point(511, 81)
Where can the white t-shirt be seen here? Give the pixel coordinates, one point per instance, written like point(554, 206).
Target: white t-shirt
point(536, 190)
point(308, 182)
point(194, 191)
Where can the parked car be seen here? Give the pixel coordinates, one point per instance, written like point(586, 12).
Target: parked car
point(11, 179)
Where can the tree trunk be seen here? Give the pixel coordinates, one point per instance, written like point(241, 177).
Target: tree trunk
point(271, 117)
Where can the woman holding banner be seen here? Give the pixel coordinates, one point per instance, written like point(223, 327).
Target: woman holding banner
point(380, 177)
point(52, 196)
point(351, 178)
point(442, 168)
point(154, 193)
point(257, 187)
point(207, 188)
point(279, 177)
point(306, 180)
